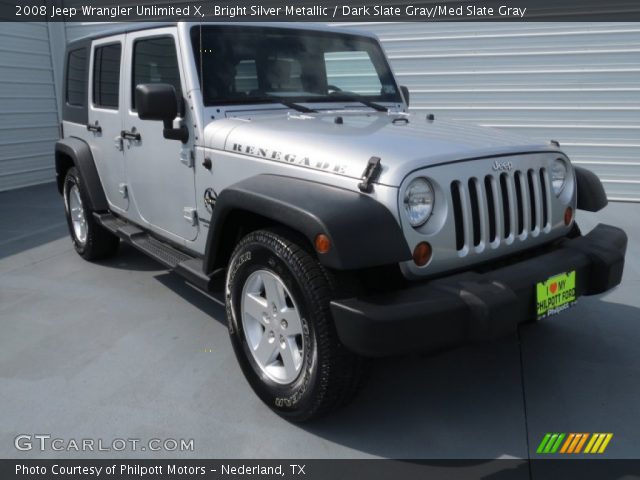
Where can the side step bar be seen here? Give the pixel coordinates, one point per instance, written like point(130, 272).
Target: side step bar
point(185, 265)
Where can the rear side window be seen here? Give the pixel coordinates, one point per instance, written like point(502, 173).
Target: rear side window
point(106, 76)
point(155, 61)
point(246, 78)
point(354, 71)
point(76, 88)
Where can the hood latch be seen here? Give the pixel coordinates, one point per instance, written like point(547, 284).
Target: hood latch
point(370, 175)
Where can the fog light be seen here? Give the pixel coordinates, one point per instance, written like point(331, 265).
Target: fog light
point(568, 216)
point(422, 254)
point(322, 243)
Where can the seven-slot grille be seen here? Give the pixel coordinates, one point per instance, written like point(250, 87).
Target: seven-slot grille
point(500, 208)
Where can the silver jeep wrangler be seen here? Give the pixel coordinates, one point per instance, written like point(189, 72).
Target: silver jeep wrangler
point(281, 165)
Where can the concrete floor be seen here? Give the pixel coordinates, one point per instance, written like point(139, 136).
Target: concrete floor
point(122, 349)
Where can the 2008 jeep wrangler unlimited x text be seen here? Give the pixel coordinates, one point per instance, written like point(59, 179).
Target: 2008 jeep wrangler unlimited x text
point(280, 164)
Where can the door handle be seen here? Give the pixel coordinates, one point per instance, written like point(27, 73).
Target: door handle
point(94, 128)
point(130, 135)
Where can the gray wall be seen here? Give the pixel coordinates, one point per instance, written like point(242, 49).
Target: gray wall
point(28, 108)
point(578, 83)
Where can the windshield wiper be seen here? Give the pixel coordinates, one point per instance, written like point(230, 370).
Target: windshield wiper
point(292, 105)
point(352, 96)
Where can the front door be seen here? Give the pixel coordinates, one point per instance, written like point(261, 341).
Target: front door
point(160, 172)
point(105, 121)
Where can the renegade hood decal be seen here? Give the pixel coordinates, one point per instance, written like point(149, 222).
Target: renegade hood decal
point(281, 155)
point(344, 147)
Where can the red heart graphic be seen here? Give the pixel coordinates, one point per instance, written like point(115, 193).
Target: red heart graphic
point(553, 287)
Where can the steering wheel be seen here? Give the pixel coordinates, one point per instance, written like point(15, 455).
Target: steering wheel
point(333, 89)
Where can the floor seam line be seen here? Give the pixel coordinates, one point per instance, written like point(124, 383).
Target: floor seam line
point(524, 403)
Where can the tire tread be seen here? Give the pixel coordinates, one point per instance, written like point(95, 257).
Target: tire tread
point(342, 373)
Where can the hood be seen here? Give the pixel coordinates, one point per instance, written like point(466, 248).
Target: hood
point(342, 142)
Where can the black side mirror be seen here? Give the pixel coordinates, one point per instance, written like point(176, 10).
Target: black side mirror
point(159, 101)
point(405, 94)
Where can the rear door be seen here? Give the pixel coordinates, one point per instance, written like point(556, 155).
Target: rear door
point(160, 172)
point(105, 120)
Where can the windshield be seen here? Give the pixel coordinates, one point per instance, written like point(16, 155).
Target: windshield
point(245, 64)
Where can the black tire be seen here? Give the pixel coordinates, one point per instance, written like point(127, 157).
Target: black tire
point(330, 375)
point(99, 243)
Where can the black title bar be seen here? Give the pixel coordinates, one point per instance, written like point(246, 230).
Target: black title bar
point(376, 469)
point(318, 10)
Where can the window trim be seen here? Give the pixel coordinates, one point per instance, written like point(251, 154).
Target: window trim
point(93, 74)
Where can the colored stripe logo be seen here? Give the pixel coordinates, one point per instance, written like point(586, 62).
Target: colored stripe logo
point(574, 443)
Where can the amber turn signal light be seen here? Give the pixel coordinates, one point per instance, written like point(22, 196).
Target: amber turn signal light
point(568, 215)
point(422, 254)
point(322, 243)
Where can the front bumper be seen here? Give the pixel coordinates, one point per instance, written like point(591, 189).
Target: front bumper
point(472, 306)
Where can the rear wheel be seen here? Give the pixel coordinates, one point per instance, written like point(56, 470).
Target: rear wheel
point(277, 298)
point(90, 239)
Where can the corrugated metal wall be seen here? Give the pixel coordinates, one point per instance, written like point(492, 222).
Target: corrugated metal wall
point(75, 30)
point(28, 110)
point(578, 83)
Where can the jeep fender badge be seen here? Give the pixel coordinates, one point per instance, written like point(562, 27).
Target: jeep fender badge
point(210, 197)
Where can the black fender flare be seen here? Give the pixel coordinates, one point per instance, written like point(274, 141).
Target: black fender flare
point(362, 231)
point(80, 154)
point(590, 192)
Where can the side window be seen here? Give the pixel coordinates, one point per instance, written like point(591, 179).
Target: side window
point(155, 61)
point(246, 78)
point(352, 71)
point(76, 89)
point(106, 76)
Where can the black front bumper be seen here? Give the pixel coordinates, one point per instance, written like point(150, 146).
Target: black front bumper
point(472, 306)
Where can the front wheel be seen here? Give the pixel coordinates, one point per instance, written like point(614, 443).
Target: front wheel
point(277, 299)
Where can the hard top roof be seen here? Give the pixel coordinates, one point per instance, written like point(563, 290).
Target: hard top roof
point(138, 26)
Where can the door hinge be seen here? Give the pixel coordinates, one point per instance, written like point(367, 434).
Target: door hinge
point(187, 158)
point(124, 191)
point(190, 215)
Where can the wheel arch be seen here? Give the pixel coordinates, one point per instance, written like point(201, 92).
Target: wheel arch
point(591, 194)
point(238, 223)
point(362, 231)
point(70, 152)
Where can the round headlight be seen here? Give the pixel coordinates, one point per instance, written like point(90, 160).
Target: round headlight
point(418, 201)
point(558, 175)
